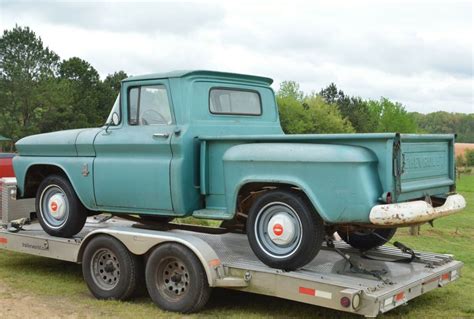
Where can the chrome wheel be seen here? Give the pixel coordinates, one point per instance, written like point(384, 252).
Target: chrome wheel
point(278, 230)
point(54, 206)
point(105, 269)
point(172, 278)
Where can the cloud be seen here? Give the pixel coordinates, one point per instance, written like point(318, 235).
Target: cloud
point(416, 52)
point(140, 17)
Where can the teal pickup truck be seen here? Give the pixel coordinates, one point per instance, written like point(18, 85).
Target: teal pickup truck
point(209, 145)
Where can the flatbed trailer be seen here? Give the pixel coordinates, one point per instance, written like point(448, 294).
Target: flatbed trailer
point(376, 285)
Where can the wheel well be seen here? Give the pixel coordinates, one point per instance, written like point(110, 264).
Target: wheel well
point(248, 193)
point(36, 174)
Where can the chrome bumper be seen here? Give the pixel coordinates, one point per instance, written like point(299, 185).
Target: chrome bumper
point(414, 212)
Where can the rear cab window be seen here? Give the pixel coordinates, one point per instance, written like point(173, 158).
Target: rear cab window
point(233, 101)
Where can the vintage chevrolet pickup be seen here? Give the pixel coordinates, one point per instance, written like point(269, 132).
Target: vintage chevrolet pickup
point(209, 144)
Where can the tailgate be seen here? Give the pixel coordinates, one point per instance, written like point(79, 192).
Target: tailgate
point(427, 165)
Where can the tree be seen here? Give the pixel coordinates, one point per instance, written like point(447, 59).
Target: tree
point(460, 160)
point(24, 63)
point(444, 122)
point(353, 108)
point(290, 89)
point(110, 88)
point(392, 117)
point(83, 83)
point(310, 115)
point(469, 155)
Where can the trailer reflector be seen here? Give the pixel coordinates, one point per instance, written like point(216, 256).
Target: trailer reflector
point(400, 296)
point(214, 263)
point(345, 302)
point(314, 292)
point(3, 240)
point(445, 276)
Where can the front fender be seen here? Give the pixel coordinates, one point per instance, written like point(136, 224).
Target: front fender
point(73, 167)
point(341, 181)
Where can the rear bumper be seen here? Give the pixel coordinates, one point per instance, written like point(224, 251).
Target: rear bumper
point(414, 212)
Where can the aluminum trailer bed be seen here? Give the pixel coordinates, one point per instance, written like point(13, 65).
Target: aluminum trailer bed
point(328, 281)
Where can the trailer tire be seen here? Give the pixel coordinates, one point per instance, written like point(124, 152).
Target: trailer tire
point(59, 210)
point(283, 229)
point(368, 239)
point(176, 280)
point(109, 269)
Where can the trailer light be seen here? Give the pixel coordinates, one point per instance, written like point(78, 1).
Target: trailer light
point(400, 296)
point(388, 198)
point(13, 193)
point(445, 276)
point(356, 301)
point(345, 302)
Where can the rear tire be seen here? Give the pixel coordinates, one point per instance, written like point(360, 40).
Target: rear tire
point(176, 280)
point(59, 210)
point(284, 230)
point(369, 238)
point(109, 269)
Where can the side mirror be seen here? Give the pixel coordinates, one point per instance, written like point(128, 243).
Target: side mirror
point(115, 119)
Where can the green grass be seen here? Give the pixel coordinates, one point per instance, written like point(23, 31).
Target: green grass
point(454, 234)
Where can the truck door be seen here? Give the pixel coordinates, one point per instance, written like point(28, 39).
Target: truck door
point(132, 165)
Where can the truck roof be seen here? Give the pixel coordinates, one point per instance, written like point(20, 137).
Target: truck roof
point(201, 73)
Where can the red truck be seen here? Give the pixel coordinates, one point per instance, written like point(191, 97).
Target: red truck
point(6, 167)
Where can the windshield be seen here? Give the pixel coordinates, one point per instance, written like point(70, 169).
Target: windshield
point(115, 109)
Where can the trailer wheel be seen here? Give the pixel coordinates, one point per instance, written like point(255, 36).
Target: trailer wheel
point(283, 229)
point(176, 280)
point(368, 238)
point(109, 269)
point(60, 212)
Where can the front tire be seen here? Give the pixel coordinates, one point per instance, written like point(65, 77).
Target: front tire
point(368, 238)
point(59, 210)
point(284, 230)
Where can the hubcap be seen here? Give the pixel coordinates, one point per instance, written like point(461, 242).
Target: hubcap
point(281, 229)
point(57, 206)
point(278, 230)
point(105, 269)
point(54, 206)
point(173, 278)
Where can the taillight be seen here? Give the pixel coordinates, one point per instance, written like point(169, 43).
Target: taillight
point(345, 302)
point(389, 198)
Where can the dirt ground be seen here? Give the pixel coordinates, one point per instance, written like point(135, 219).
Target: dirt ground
point(14, 304)
point(461, 148)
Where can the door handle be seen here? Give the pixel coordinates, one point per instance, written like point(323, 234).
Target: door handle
point(165, 135)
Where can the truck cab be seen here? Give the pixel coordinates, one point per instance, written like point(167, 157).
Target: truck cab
point(157, 136)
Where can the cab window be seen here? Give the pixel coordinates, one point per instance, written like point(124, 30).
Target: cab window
point(234, 101)
point(149, 105)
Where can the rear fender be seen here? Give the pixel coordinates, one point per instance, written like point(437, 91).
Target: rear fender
point(341, 181)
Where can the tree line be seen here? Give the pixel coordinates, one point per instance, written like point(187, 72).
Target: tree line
point(40, 92)
point(332, 111)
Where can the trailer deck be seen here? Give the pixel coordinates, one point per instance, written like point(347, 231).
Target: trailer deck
point(328, 281)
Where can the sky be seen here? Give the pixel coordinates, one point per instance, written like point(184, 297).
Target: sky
point(419, 53)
